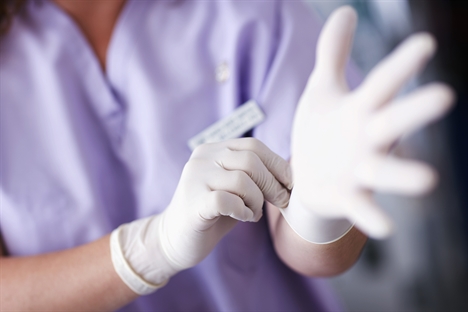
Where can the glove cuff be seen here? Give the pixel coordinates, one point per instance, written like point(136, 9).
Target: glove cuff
point(312, 227)
point(137, 256)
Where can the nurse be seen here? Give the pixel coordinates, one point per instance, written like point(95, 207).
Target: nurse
point(104, 206)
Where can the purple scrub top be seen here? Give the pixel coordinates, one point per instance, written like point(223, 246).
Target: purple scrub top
point(84, 151)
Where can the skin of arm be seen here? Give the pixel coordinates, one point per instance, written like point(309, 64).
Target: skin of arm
point(313, 259)
point(78, 279)
point(84, 279)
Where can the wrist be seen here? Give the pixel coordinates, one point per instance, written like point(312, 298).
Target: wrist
point(311, 226)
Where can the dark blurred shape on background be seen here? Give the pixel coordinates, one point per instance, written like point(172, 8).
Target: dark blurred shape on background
point(448, 21)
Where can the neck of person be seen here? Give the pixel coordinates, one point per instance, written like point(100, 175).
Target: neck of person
point(96, 19)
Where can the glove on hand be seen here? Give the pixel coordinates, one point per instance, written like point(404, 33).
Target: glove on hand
point(220, 184)
point(340, 138)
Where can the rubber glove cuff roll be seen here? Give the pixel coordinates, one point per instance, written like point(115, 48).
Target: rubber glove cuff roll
point(312, 227)
point(138, 257)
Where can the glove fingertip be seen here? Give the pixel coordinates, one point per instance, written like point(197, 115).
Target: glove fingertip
point(248, 215)
point(380, 228)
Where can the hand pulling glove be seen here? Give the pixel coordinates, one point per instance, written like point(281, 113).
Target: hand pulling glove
point(221, 184)
point(341, 138)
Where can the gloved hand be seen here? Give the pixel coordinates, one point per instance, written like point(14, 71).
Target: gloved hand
point(340, 138)
point(221, 184)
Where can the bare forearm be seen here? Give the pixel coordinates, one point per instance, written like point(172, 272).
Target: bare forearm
point(81, 278)
point(313, 259)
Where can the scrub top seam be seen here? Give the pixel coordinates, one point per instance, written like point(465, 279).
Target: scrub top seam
point(122, 44)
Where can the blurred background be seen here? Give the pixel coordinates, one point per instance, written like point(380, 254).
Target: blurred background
point(424, 265)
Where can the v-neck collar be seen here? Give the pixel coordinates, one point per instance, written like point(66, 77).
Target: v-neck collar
point(107, 89)
point(119, 42)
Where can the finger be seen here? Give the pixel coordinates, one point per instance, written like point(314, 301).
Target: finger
point(334, 45)
point(274, 163)
point(250, 163)
point(410, 113)
point(220, 203)
point(368, 216)
point(387, 78)
point(239, 183)
point(388, 174)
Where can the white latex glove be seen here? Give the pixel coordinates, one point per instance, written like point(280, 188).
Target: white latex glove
point(220, 184)
point(340, 138)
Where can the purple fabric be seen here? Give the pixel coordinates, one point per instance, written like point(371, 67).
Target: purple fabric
point(83, 152)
